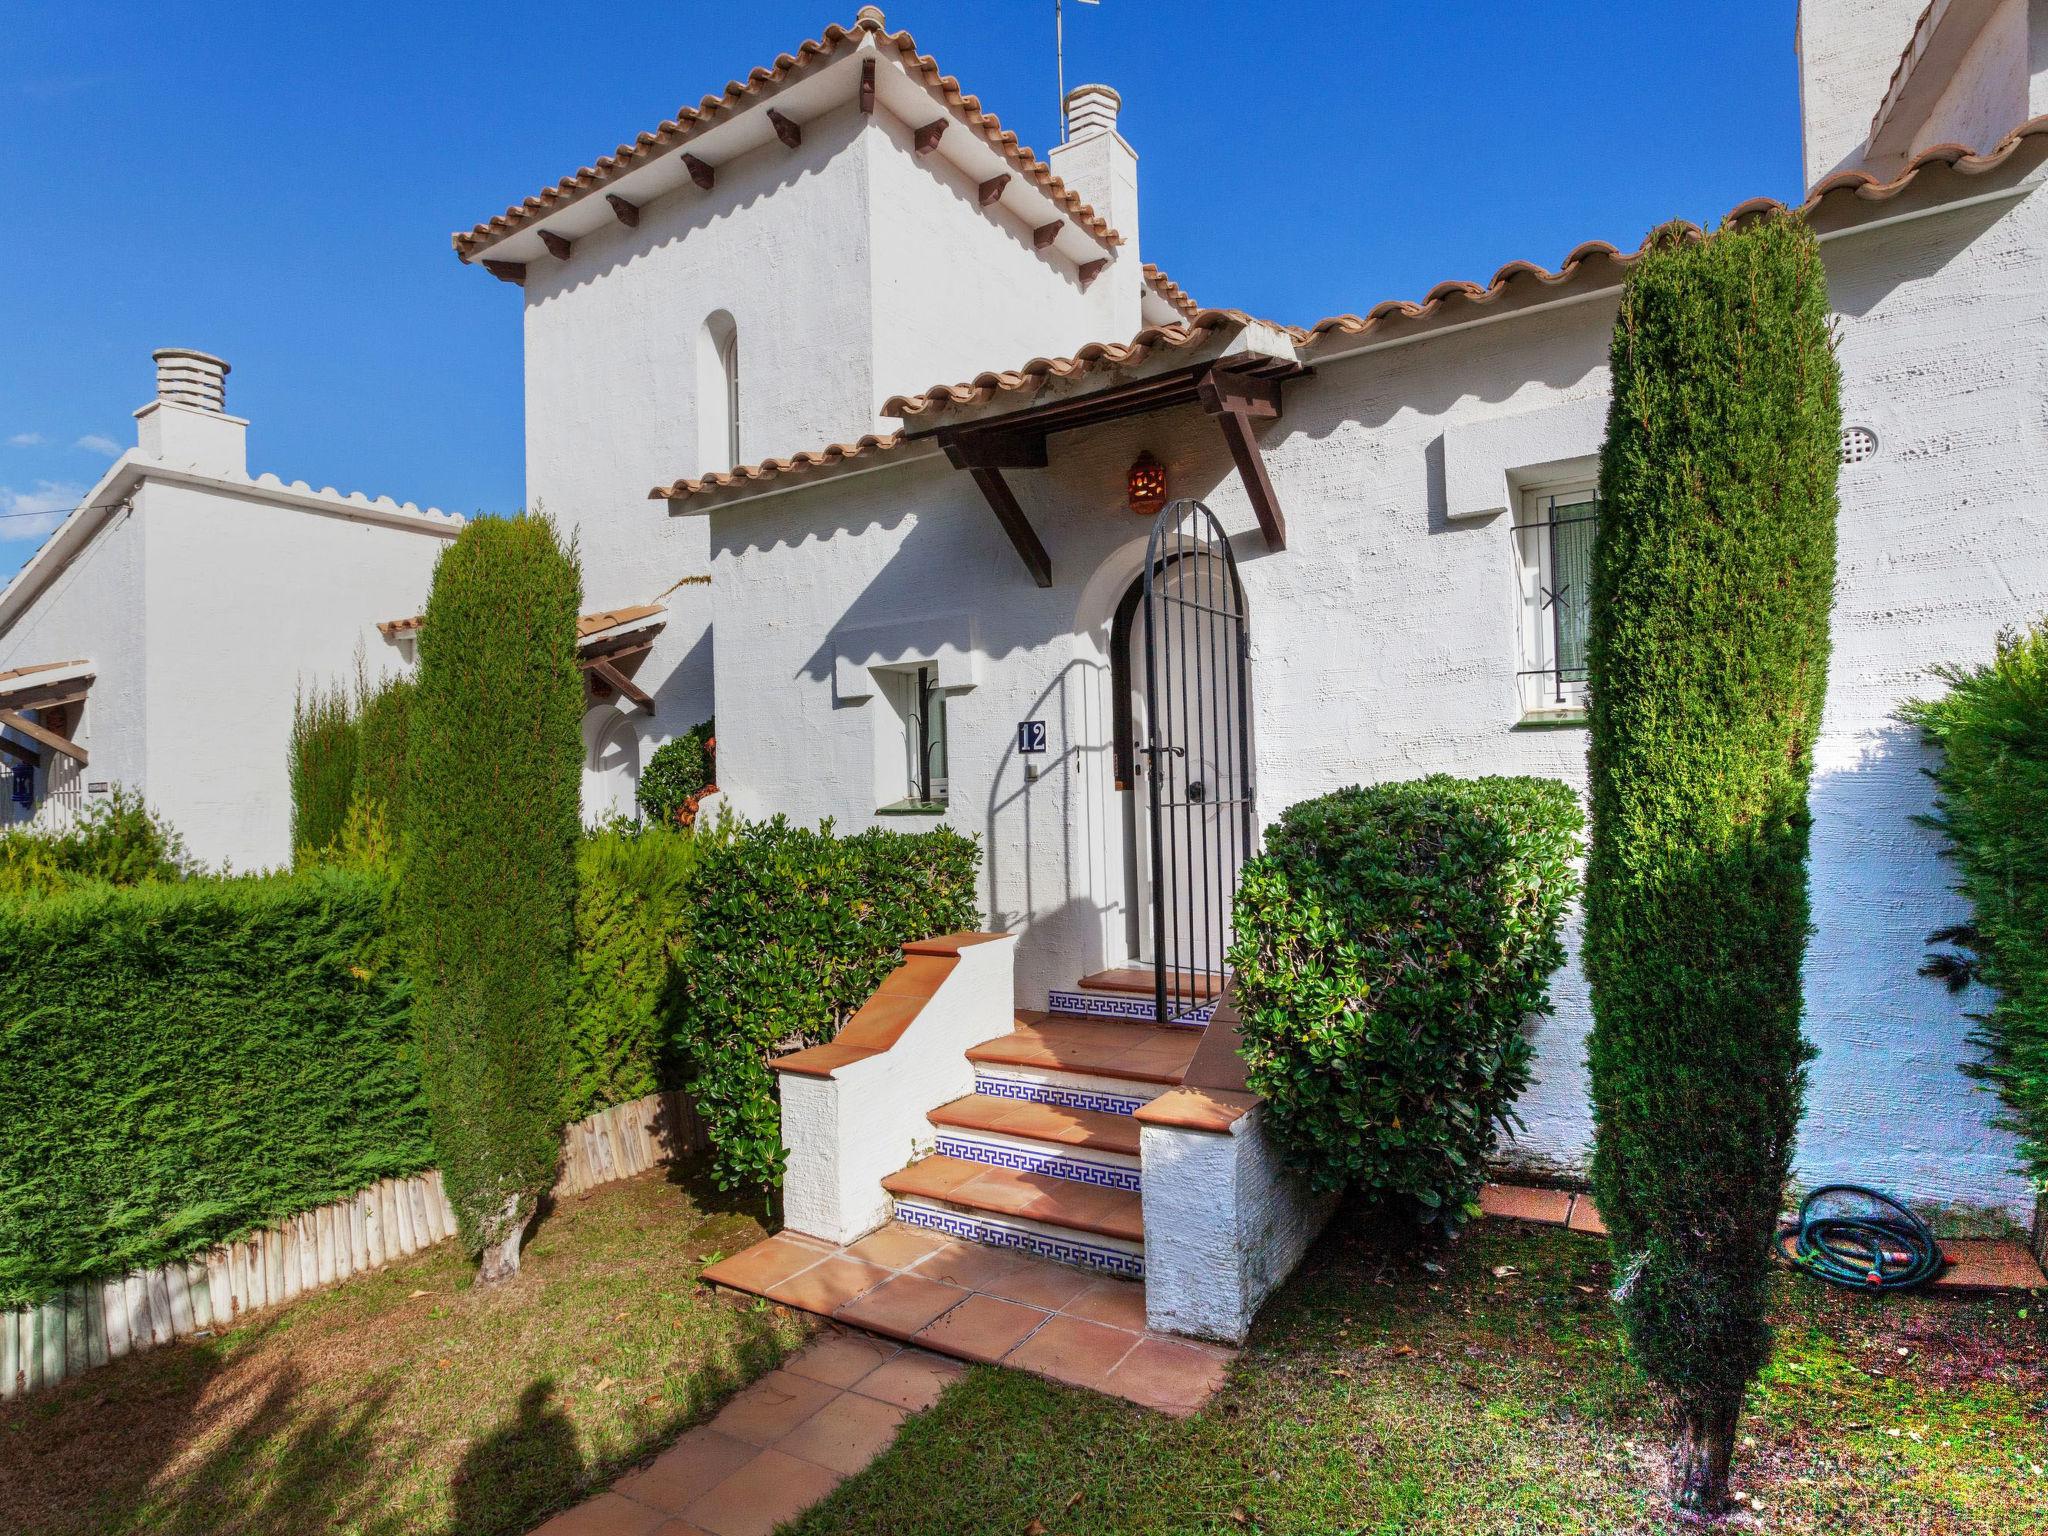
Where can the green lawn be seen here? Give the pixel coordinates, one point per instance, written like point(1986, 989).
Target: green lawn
point(1378, 1396)
point(405, 1401)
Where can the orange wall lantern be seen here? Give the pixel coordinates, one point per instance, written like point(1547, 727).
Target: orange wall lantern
point(1147, 485)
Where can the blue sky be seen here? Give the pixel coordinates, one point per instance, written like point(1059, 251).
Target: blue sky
point(277, 183)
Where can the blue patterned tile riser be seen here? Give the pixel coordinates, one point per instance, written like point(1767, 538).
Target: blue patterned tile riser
point(1065, 1098)
point(1077, 1170)
point(1062, 1250)
point(1139, 1010)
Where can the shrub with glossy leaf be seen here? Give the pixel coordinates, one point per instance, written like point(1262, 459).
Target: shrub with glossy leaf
point(1991, 803)
point(183, 1062)
point(1713, 574)
point(489, 894)
point(791, 931)
point(676, 775)
point(1391, 942)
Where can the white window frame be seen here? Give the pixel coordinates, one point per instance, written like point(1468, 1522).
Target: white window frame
point(899, 780)
point(1541, 693)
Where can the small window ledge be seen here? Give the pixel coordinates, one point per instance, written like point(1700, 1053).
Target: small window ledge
point(1555, 720)
point(913, 808)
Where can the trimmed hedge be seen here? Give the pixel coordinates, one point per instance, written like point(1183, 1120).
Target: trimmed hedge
point(1391, 941)
point(1713, 574)
point(792, 930)
point(1991, 803)
point(676, 777)
point(492, 821)
point(182, 1063)
point(632, 914)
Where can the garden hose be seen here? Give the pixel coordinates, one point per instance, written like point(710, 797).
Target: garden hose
point(1881, 1247)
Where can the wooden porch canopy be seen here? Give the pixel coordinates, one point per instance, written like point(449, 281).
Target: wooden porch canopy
point(1235, 391)
point(54, 690)
point(609, 643)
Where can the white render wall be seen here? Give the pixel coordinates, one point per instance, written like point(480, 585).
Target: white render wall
point(1384, 647)
point(1847, 52)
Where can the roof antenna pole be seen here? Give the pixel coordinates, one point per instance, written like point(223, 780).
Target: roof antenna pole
point(1059, 54)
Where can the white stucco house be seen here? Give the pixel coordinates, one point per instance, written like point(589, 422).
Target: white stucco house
point(158, 638)
point(930, 598)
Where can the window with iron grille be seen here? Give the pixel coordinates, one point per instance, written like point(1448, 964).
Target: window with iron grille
point(1554, 569)
point(918, 780)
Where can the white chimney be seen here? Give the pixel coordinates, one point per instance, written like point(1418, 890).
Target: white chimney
point(187, 424)
point(1102, 170)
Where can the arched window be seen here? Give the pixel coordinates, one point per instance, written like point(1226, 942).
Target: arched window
point(718, 392)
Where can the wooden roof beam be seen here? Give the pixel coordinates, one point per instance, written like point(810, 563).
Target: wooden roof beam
point(19, 753)
point(62, 745)
point(790, 132)
point(1003, 502)
point(46, 695)
point(603, 668)
point(1225, 397)
point(994, 449)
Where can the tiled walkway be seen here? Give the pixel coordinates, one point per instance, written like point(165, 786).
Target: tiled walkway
point(776, 1449)
point(984, 1304)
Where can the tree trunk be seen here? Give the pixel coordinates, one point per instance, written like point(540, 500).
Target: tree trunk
point(1699, 1459)
point(499, 1260)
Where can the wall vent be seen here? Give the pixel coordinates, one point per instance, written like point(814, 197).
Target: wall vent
point(1858, 444)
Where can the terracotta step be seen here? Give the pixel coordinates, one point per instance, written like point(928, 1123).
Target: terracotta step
point(1051, 1123)
point(1031, 1196)
point(1058, 1042)
point(1139, 979)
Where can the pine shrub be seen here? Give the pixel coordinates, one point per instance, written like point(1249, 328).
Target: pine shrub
point(323, 767)
point(491, 826)
point(184, 1062)
point(1991, 804)
point(1712, 576)
point(791, 931)
point(1391, 942)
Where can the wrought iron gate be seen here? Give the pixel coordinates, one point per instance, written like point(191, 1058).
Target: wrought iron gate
point(1197, 752)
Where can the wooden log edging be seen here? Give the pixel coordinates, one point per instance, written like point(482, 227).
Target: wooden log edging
point(95, 1321)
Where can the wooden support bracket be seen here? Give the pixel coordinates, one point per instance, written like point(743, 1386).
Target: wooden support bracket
point(996, 492)
point(992, 190)
point(557, 246)
point(62, 745)
point(621, 684)
point(867, 87)
point(790, 132)
point(629, 214)
point(994, 450)
point(1235, 401)
point(926, 139)
point(17, 751)
point(1091, 270)
point(506, 271)
point(700, 173)
point(1045, 234)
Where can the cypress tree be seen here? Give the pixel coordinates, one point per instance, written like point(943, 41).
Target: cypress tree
point(491, 826)
point(322, 767)
point(1712, 575)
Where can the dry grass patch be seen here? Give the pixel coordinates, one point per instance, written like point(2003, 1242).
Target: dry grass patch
point(405, 1401)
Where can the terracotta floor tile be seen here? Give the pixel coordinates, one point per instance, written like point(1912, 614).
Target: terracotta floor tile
point(973, 1265)
point(1520, 1203)
point(912, 1381)
point(897, 1247)
point(772, 1407)
point(1039, 1284)
point(982, 1328)
point(1168, 1375)
point(767, 1263)
point(609, 1514)
point(846, 1434)
point(829, 1285)
point(1984, 1264)
point(1120, 1303)
point(678, 1528)
point(839, 1359)
point(902, 1305)
point(1585, 1217)
point(765, 1492)
point(688, 1470)
point(1074, 1350)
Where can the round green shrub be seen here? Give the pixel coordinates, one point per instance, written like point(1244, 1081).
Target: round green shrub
point(679, 771)
point(1390, 944)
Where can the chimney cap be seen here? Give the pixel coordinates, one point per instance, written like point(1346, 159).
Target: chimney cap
point(869, 13)
point(1092, 109)
point(185, 376)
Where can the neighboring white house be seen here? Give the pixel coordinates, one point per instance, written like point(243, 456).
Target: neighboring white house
point(915, 584)
point(158, 638)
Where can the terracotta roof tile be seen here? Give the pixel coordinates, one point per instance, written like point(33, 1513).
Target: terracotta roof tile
point(761, 83)
point(1586, 259)
point(868, 445)
point(586, 624)
point(1097, 356)
point(1170, 291)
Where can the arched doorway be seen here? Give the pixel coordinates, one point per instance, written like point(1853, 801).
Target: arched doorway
point(1181, 728)
point(611, 765)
